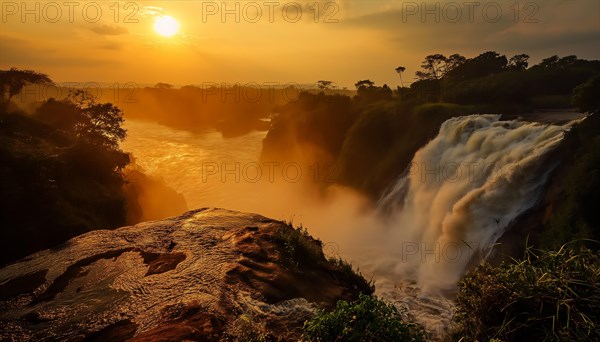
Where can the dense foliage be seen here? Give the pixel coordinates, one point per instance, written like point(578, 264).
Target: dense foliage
point(54, 185)
point(585, 96)
point(577, 217)
point(304, 122)
point(547, 296)
point(364, 141)
point(12, 82)
point(367, 319)
point(491, 78)
point(60, 169)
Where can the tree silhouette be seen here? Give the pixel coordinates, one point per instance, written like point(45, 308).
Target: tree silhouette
point(162, 85)
point(432, 67)
point(518, 62)
point(12, 82)
point(549, 62)
point(485, 64)
point(364, 84)
point(368, 92)
point(400, 70)
point(100, 123)
point(453, 62)
point(324, 85)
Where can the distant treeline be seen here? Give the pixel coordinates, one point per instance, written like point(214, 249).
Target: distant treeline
point(373, 135)
point(63, 173)
point(491, 78)
point(231, 109)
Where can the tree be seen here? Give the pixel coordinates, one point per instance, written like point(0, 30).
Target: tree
point(485, 64)
point(453, 62)
point(100, 123)
point(12, 82)
point(161, 85)
point(492, 58)
point(436, 69)
point(438, 66)
point(567, 61)
point(60, 115)
point(432, 67)
point(362, 84)
point(518, 62)
point(400, 70)
point(386, 91)
point(557, 63)
point(324, 85)
point(549, 62)
point(368, 92)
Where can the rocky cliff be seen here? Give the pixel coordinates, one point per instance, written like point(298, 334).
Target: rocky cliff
point(209, 274)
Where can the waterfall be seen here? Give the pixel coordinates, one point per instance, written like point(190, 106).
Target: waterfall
point(461, 192)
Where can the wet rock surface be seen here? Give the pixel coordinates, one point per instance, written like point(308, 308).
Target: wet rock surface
point(206, 275)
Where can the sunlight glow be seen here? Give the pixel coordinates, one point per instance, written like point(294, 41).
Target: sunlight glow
point(166, 26)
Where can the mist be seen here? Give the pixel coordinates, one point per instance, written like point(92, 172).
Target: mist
point(441, 216)
point(315, 170)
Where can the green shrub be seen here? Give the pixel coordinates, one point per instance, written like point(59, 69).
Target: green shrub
point(367, 319)
point(299, 248)
point(547, 296)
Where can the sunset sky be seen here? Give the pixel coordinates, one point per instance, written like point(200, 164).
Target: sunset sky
point(343, 42)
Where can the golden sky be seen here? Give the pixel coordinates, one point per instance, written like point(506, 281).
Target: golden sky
point(268, 42)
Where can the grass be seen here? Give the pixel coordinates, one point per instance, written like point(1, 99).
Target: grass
point(302, 251)
point(299, 248)
point(246, 329)
point(546, 296)
point(347, 272)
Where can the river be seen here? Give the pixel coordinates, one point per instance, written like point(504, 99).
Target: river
point(428, 227)
point(186, 161)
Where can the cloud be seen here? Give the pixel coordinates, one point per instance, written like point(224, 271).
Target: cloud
point(151, 11)
point(111, 46)
point(17, 51)
point(110, 30)
point(549, 26)
point(24, 53)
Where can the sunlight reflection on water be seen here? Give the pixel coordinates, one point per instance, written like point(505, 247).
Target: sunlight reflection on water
point(337, 219)
point(182, 158)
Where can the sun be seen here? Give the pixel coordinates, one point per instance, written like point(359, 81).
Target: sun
point(166, 26)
